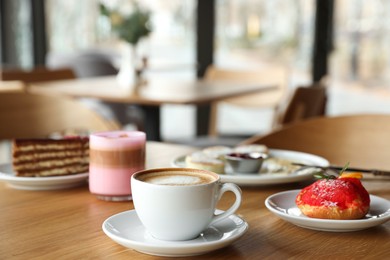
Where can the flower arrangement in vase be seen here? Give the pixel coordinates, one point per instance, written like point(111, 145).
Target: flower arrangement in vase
point(130, 27)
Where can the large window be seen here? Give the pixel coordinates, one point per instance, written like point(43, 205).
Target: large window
point(259, 33)
point(362, 40)
point(256, 34)
point(80, 26)
point(17, 35)
point(170, 48)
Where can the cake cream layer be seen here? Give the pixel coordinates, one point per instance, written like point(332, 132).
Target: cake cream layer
point(49, 155)
point(29, 147)
point(57, 171)
point(50, 143)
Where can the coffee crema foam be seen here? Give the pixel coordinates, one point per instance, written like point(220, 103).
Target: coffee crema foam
point(176, 178)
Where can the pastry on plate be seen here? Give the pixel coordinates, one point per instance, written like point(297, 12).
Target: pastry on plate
point(278, 165)
point(217, 152)
point(251, 148)
point(200, 160)
point(343, 198)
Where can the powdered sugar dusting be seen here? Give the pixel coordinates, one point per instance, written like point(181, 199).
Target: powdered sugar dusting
point(342, 193)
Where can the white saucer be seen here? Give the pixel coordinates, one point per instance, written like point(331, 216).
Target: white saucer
point(255, 179)
point(126, 229)
point(283, 205)
point(40, 183)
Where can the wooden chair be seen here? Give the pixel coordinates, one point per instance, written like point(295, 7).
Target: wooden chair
point(363, 140)
point(41, 74)
point(306, 102)
point(24, 115)
point(267, 100)
point(37, 74)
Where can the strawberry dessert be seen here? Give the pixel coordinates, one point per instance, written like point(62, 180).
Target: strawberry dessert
point(343, 197)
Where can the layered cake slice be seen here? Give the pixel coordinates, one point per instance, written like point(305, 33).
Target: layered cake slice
point(50, 157)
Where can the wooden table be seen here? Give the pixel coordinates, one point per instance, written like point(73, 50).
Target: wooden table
point(152, 95)
point(12, 86)
point(66, 224)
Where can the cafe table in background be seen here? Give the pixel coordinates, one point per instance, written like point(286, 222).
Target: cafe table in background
point(152, 94)
point(67, 224)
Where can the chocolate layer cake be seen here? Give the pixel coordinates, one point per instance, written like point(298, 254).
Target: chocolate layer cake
point(50, 157)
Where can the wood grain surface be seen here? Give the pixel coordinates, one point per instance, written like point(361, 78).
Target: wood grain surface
point(66, 224)
point(154, 92)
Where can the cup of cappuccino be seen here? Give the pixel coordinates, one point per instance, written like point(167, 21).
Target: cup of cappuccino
point(179, 203)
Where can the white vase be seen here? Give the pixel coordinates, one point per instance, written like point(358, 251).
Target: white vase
point(126, 76)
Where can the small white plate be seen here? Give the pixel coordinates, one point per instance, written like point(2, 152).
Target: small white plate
point(40, 183)
point(253, 179)
point(127, 230)
point(283, 205)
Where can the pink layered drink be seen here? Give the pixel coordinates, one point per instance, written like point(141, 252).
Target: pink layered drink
point(114, 157)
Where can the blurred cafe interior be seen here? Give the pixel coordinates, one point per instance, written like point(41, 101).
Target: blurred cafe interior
point(307, 81)
point(342, 44)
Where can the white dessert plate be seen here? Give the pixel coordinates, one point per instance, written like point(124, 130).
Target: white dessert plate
point(283, 205)
point(253, 179)
point(40, 183)
point(127, 230)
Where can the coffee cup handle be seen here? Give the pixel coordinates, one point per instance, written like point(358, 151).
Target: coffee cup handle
point(237, 192)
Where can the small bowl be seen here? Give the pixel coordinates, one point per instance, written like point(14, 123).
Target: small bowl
point(245, 162)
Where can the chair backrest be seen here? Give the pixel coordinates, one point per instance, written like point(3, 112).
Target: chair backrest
point(273, 76)
point(362, 140)
point(24, 115)
point(306, 102)
point(268, 99)
point(37, 74)
point(85, 64)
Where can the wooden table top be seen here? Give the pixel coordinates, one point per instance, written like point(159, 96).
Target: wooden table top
point(155, 91)
point(67, 224)
point(12, 86)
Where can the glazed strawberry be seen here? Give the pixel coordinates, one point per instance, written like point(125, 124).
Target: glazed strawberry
point(334, 198)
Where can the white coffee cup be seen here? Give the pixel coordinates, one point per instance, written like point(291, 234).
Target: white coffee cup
point(179, 203)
